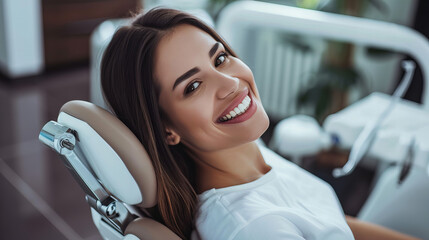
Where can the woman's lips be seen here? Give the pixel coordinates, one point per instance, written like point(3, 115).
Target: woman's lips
point(242, 117)
point(234, 103)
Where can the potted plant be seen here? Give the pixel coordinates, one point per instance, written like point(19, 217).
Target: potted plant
point(331, 85)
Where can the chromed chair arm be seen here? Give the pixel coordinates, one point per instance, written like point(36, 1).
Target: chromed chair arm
point(63, 140)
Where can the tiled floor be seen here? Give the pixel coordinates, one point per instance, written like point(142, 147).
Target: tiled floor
point(39, 197)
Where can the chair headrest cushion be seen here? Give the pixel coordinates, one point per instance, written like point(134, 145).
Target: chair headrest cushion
point(125, 145)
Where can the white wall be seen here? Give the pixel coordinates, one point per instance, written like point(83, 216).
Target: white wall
point(3, 54)
point(381, 73)
point(21, 44)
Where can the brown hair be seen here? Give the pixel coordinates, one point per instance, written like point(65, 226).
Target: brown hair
point(129, 86)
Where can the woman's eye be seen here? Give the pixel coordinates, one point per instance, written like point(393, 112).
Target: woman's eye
point(192, 87)
point(219, 60)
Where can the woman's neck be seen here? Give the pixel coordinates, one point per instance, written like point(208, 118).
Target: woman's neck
point(229, 167)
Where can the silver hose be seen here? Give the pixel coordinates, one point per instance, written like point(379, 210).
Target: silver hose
point(365, 138)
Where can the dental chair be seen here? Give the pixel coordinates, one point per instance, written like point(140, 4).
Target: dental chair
point(111, 166)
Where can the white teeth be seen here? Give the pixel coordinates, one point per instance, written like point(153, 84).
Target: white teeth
point(237, 111)
point(247, 98)
point(240, 109)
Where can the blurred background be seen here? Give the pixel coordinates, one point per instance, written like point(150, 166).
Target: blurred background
point(49, 54)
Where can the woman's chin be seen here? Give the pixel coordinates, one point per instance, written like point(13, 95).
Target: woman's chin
point(259, 125)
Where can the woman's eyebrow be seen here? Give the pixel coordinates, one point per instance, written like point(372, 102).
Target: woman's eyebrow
point(194, 70)
point(185, 76)
point(213, 49)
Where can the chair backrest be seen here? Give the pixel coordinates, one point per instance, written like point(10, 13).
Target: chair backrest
point(113, 152)
point(117, 159)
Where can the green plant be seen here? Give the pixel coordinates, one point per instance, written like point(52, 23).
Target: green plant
point(329, 90)
point(330, 86)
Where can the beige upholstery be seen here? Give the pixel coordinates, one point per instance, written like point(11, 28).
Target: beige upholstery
point(148, 229)
point(135, 158)
point(123, 141)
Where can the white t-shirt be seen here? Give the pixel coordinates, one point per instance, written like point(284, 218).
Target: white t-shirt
point(285, 203)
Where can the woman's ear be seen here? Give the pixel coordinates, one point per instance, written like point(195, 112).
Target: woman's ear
point(172, 137)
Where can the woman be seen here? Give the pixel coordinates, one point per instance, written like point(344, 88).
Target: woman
point(196, 109)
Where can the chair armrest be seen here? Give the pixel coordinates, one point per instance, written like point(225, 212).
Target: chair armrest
point(148, 229)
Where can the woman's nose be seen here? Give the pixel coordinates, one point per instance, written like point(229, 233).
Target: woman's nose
point(226, 85)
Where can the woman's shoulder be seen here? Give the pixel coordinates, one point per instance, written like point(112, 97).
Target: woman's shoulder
point(222, 217)
point(224, 213)
point(215, 219)
point(236, 200)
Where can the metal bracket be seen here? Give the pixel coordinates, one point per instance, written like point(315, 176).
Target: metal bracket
point(63, 140)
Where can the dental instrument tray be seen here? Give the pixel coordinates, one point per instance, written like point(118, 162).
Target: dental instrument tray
point(406, 125)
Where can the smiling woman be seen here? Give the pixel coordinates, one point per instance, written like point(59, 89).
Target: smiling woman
point(195, 108)
point(170, 78)
point(194, 100)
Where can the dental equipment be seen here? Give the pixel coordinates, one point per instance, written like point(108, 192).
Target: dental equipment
point(63, 140)
point(360, 147)
point(406, 123)
point(399, 153)
point(111, 166)
point(299, 136)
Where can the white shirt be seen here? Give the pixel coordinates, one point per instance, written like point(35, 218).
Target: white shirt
point(285, 203)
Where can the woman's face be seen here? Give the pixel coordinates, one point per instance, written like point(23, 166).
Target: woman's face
point(201, 85)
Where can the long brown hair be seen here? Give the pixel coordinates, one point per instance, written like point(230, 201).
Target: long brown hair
point(129, 86)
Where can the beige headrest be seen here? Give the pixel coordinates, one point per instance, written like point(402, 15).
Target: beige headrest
point(123, 142)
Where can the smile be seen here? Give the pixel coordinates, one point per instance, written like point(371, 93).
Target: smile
point(238, 110)
point(241, 109)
